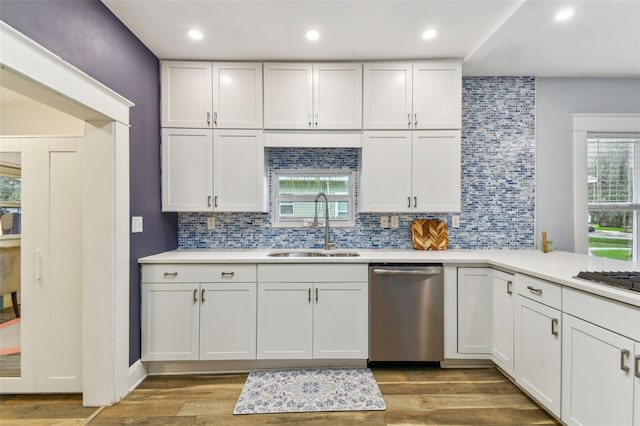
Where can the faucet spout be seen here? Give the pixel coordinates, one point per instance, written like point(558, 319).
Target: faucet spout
point(327, 244)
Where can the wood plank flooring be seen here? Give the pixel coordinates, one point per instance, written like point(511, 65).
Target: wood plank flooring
point(413, 396)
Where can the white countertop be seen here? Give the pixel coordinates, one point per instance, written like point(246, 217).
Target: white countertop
point(557, 266)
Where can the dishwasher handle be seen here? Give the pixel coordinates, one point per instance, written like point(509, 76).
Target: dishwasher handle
point(423, 272)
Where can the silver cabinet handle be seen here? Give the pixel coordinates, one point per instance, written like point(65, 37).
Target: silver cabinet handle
point(227, 274)
point(554, 324)
point(170, 274)
point(409, 202)
point(309, 118)
point(638, 366)
point(415, 202)
point(38, 265)
point(215, 201)
point(208, 119)
point(209, 201)
point(195, 295)
point(409, 120)
point(509, 285)
point(537, 291)
point(215, 118)
point(623, 354)
point(202, 296)
point(316, 120)
point(415, 120)
point(316, 295)
point(309, 294)
point(426, 272)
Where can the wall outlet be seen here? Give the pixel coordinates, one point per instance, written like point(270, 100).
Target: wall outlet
point(394, 221)
point(455, 221)
point(384, 221)
point(136, 224)
point(211, 223)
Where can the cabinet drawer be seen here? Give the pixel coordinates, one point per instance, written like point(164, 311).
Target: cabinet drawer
point(539, 290)
point(313, 273)
point(174, 273)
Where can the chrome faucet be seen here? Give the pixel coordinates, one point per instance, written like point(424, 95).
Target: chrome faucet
point(327, 244)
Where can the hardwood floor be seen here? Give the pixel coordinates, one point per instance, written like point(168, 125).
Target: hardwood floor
point(413, 396)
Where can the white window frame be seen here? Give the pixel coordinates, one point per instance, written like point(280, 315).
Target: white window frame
point(585, 125)
point(279, 221)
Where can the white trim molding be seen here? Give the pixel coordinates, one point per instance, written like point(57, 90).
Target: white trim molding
point(45, 77)
point(583, 124)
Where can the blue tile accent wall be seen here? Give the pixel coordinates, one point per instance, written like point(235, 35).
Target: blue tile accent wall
point(498, 184)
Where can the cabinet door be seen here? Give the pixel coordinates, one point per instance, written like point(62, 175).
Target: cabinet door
point(596, 388)
point(474, 310)
point(187, 177)
point(436, 169)
point(437, 95)
point(538, 345)
point(186, 94)
point(387, 96)
point(237, 95)
point(337, 96)
point(385, 184)
point(340, 320)
point(228, 321)
point(285, 321)
point(239, 178)
point(502, 320)
point(288, 91)
point(170, 322)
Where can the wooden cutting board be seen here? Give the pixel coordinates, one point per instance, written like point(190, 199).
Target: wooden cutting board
point(428, 234)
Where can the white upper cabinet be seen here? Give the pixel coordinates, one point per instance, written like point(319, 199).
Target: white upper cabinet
point(423, 95)
point(186, 94)
point(410, 171)
point(237, 95)
point(211, 95)
point(312, 96)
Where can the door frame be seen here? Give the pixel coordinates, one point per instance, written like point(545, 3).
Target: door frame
point(32, 70)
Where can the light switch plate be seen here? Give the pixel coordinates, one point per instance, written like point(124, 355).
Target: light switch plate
point(455, 221)
point(136, 224)
point(384, 221)
point(211, 223)
point(394, 221)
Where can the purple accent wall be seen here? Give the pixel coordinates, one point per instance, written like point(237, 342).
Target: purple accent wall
point(87, 35)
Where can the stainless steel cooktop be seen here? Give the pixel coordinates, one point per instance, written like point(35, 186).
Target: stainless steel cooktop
point(628, 280)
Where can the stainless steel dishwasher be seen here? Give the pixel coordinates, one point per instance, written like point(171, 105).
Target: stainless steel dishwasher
point(406, 313)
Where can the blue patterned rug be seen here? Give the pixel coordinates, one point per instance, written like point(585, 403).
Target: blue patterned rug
point(295, 391)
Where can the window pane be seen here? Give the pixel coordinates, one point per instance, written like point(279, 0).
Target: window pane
point(611, 234)
point(311, 185)
point(610, 170)
point(10, 190)
point(338, 210)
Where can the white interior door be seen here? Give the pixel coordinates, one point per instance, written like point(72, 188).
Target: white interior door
point(51, 270)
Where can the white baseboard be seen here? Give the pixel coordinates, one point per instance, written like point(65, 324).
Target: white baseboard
point(137, 373)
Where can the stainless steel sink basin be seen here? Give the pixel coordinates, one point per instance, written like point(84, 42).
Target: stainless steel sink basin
point(307, 253)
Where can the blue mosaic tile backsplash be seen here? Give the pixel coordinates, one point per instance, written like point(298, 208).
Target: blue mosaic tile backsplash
point(498, 184)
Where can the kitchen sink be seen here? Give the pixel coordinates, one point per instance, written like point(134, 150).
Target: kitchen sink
point(307, 253)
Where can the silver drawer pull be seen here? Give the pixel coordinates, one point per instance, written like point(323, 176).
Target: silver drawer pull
point(227, 274)
point(537, 291)
point(623, 354)
point(202, 296)
point(171, 274)
point(638, 366)
point(509, 287)
point(195, 295)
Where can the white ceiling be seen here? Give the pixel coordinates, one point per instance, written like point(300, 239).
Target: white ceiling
point(493, 37)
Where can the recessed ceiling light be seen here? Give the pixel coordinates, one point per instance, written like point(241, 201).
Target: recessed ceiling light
point(195, 34)
point(564, 14)
point(312, 35)
point(429, 34)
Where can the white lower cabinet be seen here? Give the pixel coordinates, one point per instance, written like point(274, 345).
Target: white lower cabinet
point(184, 320)
point(538, 346)
point(474, 310)
point(321, 320)
point(599, 376)
point(502, 320)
